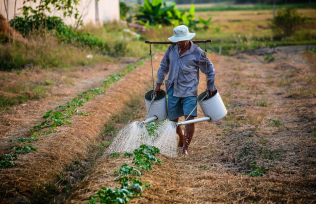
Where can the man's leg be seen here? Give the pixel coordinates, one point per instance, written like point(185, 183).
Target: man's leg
point(188, 134)
point(180, 133)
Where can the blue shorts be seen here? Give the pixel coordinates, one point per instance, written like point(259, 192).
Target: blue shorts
point(178, 107)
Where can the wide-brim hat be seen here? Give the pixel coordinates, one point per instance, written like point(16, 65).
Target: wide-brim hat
point(181, 33)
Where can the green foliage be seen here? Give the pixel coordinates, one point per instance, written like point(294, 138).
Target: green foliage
point(126, 154)
point(65, 34)
point(7, 161)
point(313, 50)
point(115, 155)
point(275, 123)
point(256, 172)
point(67, 7)
point(123, 10)
point(9, 60)
point(269, 58)
point(144, 157)
point(26, 25)
point(263, 102)
point(153, 14)
point(131, 186)
point(24, 149)
point(287, 21)
point(27, 140)
point(205, 23)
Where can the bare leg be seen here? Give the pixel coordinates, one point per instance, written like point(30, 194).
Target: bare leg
point(180, 133)
point(189, 132)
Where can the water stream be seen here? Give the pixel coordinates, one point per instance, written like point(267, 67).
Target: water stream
point(135, 134)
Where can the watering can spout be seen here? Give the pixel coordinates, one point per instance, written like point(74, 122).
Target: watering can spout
point(150, 119)
point(193, 121)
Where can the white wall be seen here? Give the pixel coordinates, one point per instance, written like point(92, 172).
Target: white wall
point(108, 10)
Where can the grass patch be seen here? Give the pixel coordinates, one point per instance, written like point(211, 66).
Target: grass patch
point(243, 8)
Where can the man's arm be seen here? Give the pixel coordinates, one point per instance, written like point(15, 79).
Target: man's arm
point(163, 71)
point(207, 67)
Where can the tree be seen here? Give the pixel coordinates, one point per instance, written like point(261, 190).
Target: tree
point(287, 21)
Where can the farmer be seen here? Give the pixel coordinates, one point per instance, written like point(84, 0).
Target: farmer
point(183, 61)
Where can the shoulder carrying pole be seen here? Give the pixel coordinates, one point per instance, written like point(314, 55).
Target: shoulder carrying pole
point(169, 42)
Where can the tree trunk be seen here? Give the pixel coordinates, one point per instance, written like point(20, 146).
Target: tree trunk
point(96, 11)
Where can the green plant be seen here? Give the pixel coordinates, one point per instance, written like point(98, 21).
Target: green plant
point(24, 149)
point(123, 10)
point(206, 23)
point(143, 158)
point(263, 102)
point(153, 14)
point(269, 58)
point(27, 140)
point(287, 21)
point(256, 172)
point(7, 160)
point(275, 123)
point(117, 155)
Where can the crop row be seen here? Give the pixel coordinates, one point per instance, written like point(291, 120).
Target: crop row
point(128, 177)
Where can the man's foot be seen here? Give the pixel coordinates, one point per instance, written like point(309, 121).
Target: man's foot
point(184, 150)
point(180, 144)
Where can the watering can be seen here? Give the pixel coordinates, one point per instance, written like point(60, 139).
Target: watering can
point(213, 108)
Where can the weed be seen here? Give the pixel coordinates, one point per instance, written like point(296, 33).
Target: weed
point(115, 155)
point(275, 123)
point(24, 149)
point(126, 154)
point(27, 140)
point(269, 58)
point(256, 172)
point(48, 82)
point(263, 102)
point(7, 160)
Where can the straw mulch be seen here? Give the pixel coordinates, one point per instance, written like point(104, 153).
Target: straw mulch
point(72, 142)
point(223, 154)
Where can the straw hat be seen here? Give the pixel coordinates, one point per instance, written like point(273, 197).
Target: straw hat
point(181, 33)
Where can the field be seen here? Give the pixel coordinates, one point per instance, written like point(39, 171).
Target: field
point(263, 151)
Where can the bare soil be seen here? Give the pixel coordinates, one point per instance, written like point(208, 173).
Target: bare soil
point(270, 125)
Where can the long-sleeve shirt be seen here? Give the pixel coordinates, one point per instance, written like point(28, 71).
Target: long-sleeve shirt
point(184, 70)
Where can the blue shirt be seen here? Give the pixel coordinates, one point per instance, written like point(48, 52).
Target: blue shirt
point(184, 70)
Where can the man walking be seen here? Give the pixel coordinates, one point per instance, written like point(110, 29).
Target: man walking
point(182, 61)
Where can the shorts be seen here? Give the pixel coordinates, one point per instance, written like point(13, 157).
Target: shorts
point(178, 107)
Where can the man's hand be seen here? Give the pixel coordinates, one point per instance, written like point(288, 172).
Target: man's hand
point(211, 92)
point(157, 89)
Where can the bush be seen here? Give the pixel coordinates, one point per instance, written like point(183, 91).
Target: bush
point(123, 10)
point(12, 60)
point(287, 21)
point(30, 23)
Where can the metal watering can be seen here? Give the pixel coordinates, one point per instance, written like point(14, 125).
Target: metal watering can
point(213, 108)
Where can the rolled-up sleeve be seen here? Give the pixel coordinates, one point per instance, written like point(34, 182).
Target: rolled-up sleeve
point(164, 68)
point(203, 63)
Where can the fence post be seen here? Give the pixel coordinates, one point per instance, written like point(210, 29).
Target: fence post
point(220, 50)
point(237, 45)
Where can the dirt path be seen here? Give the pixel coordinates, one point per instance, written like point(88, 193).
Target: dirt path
point(263, 151)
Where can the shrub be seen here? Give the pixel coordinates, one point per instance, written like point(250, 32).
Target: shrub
point(287, 21)
point(123, 10)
